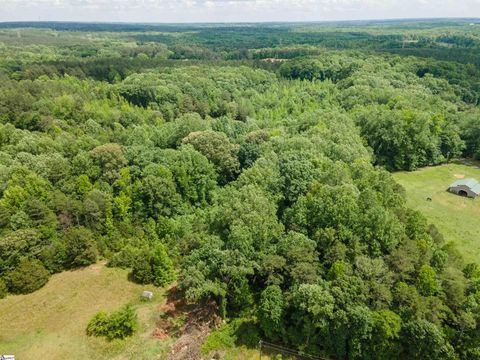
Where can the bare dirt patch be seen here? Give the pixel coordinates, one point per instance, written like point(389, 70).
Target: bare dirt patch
point(459, 176)
point(190, 323)
point(199, 324)
point(160, 334)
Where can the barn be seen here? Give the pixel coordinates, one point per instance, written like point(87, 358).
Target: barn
point(466, 187)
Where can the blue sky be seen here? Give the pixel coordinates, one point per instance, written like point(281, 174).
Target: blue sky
point(231, 10)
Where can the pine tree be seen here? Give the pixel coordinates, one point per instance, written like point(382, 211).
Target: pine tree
point(162, 266)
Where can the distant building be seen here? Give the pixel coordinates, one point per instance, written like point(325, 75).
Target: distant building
point(466, 187)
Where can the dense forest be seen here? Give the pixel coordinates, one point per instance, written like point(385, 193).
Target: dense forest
point(252, 165)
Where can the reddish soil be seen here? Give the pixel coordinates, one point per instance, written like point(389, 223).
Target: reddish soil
point(160, 334)
point(192, 332)
point(199, 324)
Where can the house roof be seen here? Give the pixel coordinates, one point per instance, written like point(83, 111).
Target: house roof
point(471, 183)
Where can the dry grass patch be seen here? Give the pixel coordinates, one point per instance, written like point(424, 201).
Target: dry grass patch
point(51, 322)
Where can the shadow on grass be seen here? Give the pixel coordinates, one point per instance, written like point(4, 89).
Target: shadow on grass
point(468, 162)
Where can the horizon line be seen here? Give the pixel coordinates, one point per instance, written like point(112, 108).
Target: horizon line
point(421, 19)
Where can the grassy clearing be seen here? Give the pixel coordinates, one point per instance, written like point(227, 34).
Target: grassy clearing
point(457, 218)
point(50, 323)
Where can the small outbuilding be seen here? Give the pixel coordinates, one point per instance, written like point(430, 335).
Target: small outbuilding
point(466, 187)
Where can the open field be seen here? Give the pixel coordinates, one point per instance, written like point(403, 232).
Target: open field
point(50, 323)
point(457, 218)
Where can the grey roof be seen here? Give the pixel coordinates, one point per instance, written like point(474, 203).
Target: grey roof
point(471, 183)
point(476, 189)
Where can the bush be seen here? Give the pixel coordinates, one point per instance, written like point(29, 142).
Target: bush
point(80, 247)
point(153, 267)
point(98, 325)
point(125, 258)
point(238, 332)
point(28, 276)
point(3, 289)
point(142, 269)
point(162, 266)
point(220, 339)
point(53, 256)
point(118, 325)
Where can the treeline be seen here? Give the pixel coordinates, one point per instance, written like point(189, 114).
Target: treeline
point(256, 189)
point(66, 46)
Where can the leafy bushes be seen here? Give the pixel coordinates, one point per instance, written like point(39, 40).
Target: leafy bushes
point(118, 325)
point(80, 247)
point(126, 257)
point(237, 332)
point(28, 276)
point(222, 338)
point(153, 267)
point(3, 289)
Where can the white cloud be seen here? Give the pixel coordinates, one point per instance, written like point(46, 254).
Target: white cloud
point(231, 10)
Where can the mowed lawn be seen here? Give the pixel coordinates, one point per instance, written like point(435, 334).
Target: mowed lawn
point(457, 218)
point(50, 323)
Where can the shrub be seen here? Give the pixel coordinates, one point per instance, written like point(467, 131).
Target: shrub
point(28, 276)
point(98, 325)
point(80, 247)
point(162, 266)
point(220, 339)
point(240, 331)
point(122, 323)
point(53, 256)
point(153, 267)
point(3, 289)
point(142, 269)
point(118, 325)
point(125, 258)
